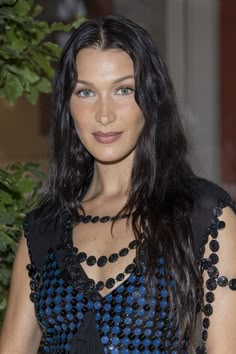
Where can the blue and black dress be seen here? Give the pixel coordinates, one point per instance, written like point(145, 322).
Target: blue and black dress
point(131, 318)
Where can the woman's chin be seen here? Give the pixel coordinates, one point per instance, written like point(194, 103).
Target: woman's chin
point(108, 160)
point(113, 158)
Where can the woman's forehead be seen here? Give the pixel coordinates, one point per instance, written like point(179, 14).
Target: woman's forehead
point(92, 62)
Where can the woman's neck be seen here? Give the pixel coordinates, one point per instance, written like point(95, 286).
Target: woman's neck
point(110, 181)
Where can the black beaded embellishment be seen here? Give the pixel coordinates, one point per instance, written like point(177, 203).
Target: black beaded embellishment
point(95, 219)
point(35, 281)
point(33, 272)
point(74, 274)
point(232, 284)
point(210, 265)
point(102, 260)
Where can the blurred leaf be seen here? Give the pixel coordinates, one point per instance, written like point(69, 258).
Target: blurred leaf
point(21, 7)
point(7, 2)
point(7, 219)
point(2, 76)
point(36, 10)
point(60, 26)
point(28, 74)
point(53, 48)
point(43, 63)
point(78, 22)
point(27, 57)
point(25, 184)
point(5, 197)
point(17, 183)
point(13, 88)
point(32, 96)
point(6, 53)
point(17, 43)
point(6, 241)
point(44, 85)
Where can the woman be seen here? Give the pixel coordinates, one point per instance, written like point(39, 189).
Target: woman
point(128, 247)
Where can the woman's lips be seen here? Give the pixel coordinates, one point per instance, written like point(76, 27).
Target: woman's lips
point(107, 138)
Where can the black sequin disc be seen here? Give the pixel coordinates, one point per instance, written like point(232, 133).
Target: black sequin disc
point(211, 284)
point(213, 272)
point(221, 225)
point(206, 322)
point(222, 281)
point(213, 232)
point(133, 244)
point(102, 261)
point(82, 256)
point(113, 257)
point(87, 219)
point(123, 252)
point(210, 297)
point(214, 245)
point(201, 350)
point(91, 260)
point(120, 277)
point(95, 219)
point(204, 335)
point(130, 268)
point(232, 284)
point(105, 219)
point(100, 285)
point(206, 263)
point(110, 283)
point(208, 310)
point(214, 258)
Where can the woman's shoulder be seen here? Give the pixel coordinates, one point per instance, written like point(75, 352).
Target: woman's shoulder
point(42, 228)
point(41, 218)
point(209, 200)
point(206, 194)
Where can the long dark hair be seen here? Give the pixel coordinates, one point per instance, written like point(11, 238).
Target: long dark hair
point(159, 193)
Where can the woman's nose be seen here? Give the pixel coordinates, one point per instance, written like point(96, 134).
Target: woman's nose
point(105, 111)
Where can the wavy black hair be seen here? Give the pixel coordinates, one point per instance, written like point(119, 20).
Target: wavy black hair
point(160, 185)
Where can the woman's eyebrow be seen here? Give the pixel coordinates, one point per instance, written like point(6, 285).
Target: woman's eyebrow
point(124, 78)
point(84, 82)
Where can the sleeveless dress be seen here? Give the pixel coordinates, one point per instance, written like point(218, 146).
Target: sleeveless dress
point(131, 318)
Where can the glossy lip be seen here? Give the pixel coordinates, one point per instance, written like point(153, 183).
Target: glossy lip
point(107, 138)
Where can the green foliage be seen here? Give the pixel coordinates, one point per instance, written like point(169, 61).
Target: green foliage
point(26, 68)
point(19, 186)
point(26, 54)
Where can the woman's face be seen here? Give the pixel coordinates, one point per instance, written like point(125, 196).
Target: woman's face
point(106, 116)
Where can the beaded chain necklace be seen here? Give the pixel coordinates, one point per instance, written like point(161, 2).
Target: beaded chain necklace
point(91, 260)
point(94, 219)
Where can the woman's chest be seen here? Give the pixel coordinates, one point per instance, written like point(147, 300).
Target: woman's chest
point(128, 314)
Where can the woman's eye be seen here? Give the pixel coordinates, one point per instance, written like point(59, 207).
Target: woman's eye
point(125, 91)
point(85, 93)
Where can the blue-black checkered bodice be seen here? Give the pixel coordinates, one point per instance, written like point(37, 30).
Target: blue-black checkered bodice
point(129, 319)
point(133, 317)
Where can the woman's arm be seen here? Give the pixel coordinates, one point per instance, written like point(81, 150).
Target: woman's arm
point(21, 333)
point(219, 295)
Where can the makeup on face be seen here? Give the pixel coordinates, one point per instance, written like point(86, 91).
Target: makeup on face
point(107, 138)
point(106, 115)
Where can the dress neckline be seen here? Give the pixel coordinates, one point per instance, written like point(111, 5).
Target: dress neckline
point(74, 273)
